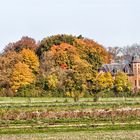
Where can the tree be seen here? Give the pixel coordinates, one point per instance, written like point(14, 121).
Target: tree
point(30, 58)
point(75, 83)
point(114, 51)
point(9, 59)
point(124, 53)
point(52, 81)
point(89, 47)
point(121, 83)
point(85, 47)
point(100, 84)
point(22, 76)
point(65, 59)
point(48, 42)
point(74, 86)
point(129, 51)
point(64, 54)
point(92, 52)
point(23, 43)
point(7, 63)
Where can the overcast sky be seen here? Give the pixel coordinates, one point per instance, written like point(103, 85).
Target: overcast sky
point(109, 22)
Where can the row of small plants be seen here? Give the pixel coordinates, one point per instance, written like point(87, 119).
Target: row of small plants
point(18, 114)
point(93, 120)
point(59, 115)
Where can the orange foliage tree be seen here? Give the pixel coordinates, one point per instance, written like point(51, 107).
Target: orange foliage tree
point(7, 62)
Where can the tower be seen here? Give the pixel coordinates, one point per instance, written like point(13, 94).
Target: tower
point(135, 63)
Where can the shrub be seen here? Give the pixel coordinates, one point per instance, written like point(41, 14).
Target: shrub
point(29, 91)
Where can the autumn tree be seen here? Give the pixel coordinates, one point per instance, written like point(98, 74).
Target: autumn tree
point(64, 54)
point(52, 81)
point(121, 83)
point(23, 43)
point(75, 86)
point(7, 62)
point(75, 83)
point(89, 47)
point(30, 58)
point(100, 84)
point(92, 52)
point(48, 42)
point(22, 76)
point(75, 70)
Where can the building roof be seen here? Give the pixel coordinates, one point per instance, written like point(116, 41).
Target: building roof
point(113, 68)
point(125, 66)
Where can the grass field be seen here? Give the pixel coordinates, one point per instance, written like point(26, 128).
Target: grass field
point(82, 135)
point(61, 118)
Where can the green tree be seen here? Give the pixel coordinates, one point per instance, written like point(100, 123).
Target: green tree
point(75, 86)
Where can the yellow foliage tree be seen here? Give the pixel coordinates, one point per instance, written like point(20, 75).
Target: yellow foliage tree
point(101, 83)
point(52, 81)
point(121, 82)
point(22, 75)
point(31, 59)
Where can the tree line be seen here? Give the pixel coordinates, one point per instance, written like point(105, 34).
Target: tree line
point(59, 65)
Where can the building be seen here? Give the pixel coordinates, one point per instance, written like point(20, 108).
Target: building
point(132, 69)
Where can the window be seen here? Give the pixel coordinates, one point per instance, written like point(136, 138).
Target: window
point(114, 70)
point(138, 70)
point(135, 71)
point(135, 82)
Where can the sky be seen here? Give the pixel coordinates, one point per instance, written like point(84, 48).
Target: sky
point(109, 22)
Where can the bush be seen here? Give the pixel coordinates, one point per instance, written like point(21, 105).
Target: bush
point(34, 91)
point(29, 91)
point(111, 93)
